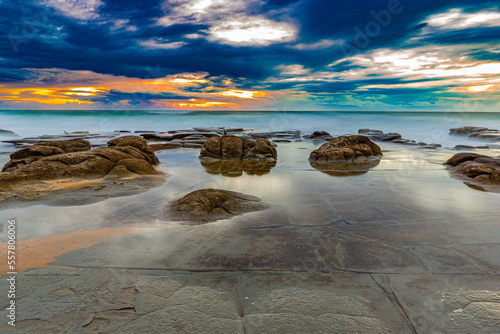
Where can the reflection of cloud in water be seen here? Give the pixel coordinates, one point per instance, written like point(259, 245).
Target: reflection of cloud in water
point(237, 167)
point(344, 168)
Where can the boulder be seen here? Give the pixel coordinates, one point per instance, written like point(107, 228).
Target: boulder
point(236, 148)
point(213, 204)
point(476, 169)
point(350, 149)
point(30, 168)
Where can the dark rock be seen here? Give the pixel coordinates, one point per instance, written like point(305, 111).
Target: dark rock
point(379, 135)
point(477, 169)
point(323, 135)
point(7, 133)
point(469, 147)
point(486, 135)
point(213, 204)
point(344, 168)
point(467, 130)
point(155, 136)
point(370, 132)
point(232, 147)
point(356, 148)
point(385, 136)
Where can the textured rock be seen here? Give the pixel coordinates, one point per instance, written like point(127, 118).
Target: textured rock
point(347, 149)
point(476, 168)
point(235, 148)
point(212, 204)
point(29, 169)
point(379, 135)
point(467, 130)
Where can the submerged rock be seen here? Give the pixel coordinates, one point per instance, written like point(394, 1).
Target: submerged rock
point(7, 133)
point(380, 135)
point(323, 135)
point(30, 171)
point(476, 169)
point(347, 149)
point(232, 147)
point(467, 130)
point(213, 204)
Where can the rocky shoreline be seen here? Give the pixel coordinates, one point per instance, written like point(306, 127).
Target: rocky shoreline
point(53, 164)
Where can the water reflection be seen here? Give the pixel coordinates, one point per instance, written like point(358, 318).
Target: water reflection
point(233, 168)
point(344, 168)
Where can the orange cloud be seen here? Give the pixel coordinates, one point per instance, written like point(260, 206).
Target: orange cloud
point(86, 87)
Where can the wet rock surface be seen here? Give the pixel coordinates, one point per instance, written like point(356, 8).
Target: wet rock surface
point(51, 166)
point(393, 137)
point(213, 204)
point(405, 249)
point(97, 139)
point(347, 149)
point(321, 135)
point(467, 130)
point(232, 147)
point(477, 132)
point(476, 168)
point(7, 133)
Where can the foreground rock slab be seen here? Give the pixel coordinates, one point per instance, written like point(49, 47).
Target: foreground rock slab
point(53, 166)
point(479, 170)
point(213, 204)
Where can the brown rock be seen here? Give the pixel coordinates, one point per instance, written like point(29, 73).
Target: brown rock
point(347, 149)
point(462, 157)
point(137, 166)
point(212, 204)
point(72, 160)
point(477, 170)
point(235, 148)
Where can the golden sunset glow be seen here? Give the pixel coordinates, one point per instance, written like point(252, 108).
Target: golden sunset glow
point(194, 103)
point(198, 88)
point(477, 89)
point(243, 94)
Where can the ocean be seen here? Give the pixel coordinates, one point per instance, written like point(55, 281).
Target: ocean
point(430, 127)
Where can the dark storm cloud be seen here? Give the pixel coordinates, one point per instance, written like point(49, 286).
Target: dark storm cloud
point(124, 38)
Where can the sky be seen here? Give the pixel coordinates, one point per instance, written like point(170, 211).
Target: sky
point(284, 55)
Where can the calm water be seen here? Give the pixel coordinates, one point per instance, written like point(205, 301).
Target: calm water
point(409, 194)
point(427, 127)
